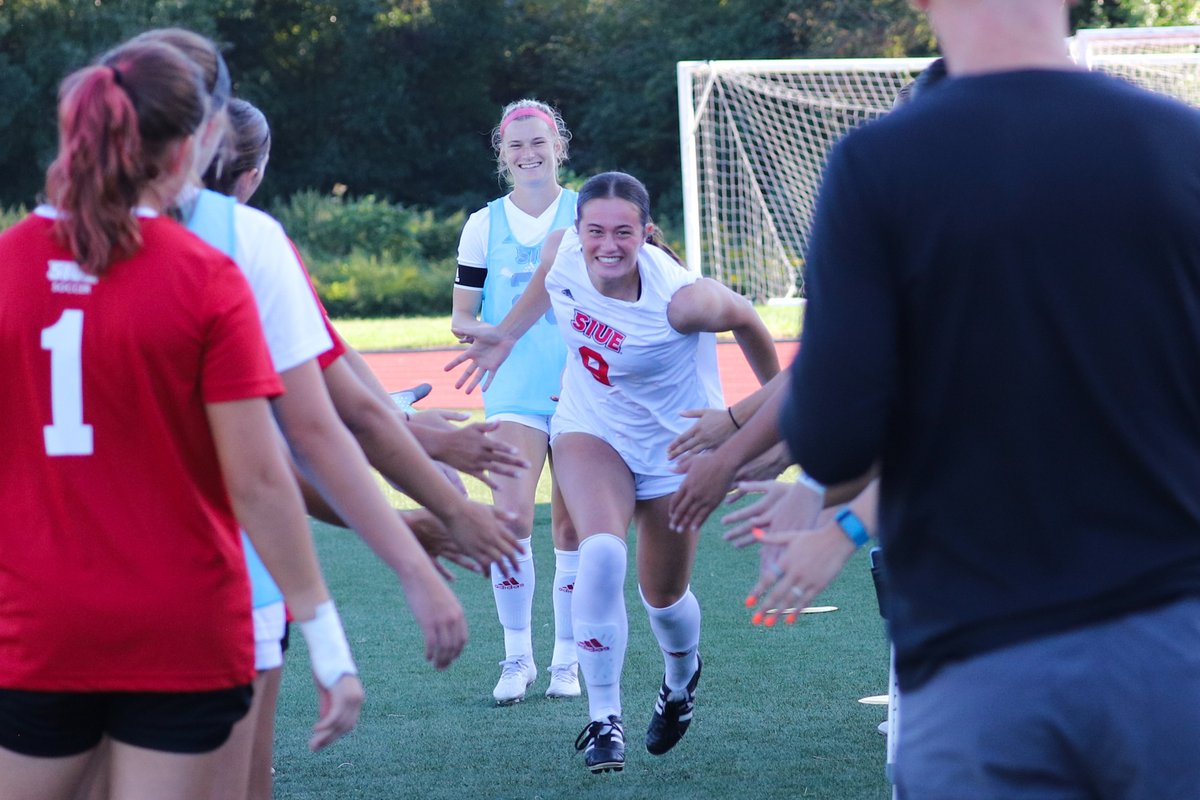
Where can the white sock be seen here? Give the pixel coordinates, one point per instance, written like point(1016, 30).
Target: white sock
point(599, 622)
point(566, 565)
point(514, 603)
point(677, 629)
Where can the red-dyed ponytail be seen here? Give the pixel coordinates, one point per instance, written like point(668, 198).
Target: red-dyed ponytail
point(115, 125)
point(96, 179)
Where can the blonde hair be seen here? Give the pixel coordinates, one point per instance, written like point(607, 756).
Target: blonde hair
point(537, 110)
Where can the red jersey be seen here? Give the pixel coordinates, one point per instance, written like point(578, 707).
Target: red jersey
point(120, 561)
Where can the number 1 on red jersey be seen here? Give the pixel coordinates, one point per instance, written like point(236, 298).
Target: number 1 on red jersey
point(66, 435)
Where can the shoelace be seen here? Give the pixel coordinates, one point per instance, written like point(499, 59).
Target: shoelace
point(512, 667)
point(678, 708)
point(595, 731)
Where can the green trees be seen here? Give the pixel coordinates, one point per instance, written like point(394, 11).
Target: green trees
point(41, 41)
point(395, 98)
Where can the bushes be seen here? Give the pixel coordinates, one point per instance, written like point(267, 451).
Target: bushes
point(371, 258)
point(367, 257)
point(11, 216)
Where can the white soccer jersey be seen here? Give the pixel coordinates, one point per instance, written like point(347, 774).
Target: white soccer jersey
point(291, 320)
point(628, 373)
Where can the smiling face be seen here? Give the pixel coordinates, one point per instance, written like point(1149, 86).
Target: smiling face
point(612, 232)
point(530, 150)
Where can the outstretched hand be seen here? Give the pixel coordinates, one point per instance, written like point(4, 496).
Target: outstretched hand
point(471, 450)
point(439, 616)
point(783, 506)
point(713, 426)
point(808, 562)
point(484, 534)
point(468, 448)
point(467, 331)
point(487, 352)
point(437, 542)
point(337, 711)
point(754, 516)
point(707, 482)
point(767, 466)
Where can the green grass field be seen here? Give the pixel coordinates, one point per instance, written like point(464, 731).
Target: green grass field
point(396, 333)
point(777, 710)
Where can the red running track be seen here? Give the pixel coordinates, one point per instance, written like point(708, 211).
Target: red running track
point(400, 369)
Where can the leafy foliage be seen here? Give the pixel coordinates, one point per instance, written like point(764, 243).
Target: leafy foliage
point(394, 100)
point(371, 258)
point(11, 216)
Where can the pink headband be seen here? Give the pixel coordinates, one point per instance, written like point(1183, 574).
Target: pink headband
point(528, 111)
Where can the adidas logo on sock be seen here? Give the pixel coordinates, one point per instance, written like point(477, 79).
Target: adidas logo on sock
point(569, 588)
point(593, 646)
point(509, 583)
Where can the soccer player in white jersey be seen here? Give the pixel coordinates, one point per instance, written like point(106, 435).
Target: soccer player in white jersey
point(498, 252)
point(632, 318)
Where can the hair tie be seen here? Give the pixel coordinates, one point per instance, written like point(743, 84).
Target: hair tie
point(528, 111)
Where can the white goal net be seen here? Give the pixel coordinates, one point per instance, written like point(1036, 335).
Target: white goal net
point(754, 136)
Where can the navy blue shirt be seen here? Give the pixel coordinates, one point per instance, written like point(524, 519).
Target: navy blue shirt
point(1004, 309)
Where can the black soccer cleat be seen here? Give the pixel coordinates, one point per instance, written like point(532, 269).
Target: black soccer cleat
point(672, 717)
point(603, 745)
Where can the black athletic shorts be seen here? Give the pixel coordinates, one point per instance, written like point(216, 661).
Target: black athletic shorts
point(59, 724)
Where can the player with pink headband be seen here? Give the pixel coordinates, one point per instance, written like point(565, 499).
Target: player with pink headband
point(498, 252)
point(526, 111)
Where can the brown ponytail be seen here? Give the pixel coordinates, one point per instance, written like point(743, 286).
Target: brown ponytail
point(115, 124)
point(657, 239)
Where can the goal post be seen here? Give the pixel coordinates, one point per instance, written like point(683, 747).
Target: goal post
point(1165, 60)
point(754, 136)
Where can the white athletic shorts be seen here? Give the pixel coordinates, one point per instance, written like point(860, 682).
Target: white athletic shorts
point(539, 422)
point(269, 624)
point(645, 486)
point(648, 487)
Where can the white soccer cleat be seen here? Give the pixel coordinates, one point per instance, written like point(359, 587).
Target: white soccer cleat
point(564, 680)
point(516, 674)
point(405, 398)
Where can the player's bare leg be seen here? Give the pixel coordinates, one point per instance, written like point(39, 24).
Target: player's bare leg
point(141, 774)
point(48, 778)
point(514, 594)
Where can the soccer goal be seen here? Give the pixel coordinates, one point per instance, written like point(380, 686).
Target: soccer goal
point(754, 136)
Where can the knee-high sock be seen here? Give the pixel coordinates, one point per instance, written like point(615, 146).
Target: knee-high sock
point(598, 618)
point(677, 629)
point(566, 565)
point(514, 603)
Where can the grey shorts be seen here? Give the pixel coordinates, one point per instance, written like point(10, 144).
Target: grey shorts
point(1107, 711)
